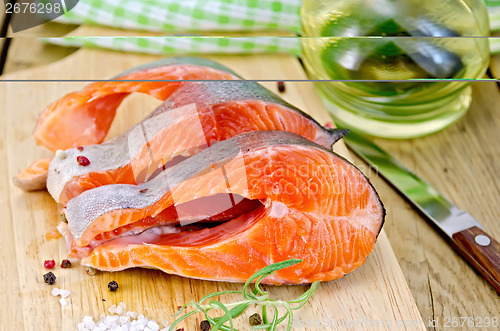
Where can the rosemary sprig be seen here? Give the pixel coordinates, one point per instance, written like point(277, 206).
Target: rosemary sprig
point(255, 297)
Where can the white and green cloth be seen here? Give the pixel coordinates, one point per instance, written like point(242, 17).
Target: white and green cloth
point(198, 17)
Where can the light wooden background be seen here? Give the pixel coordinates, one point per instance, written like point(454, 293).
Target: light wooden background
point(463, 162)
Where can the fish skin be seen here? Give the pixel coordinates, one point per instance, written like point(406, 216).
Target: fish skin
point(332, 239)
point(191, 97)
point(202, 62)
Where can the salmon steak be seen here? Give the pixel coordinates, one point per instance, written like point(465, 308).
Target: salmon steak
point(222, 214)
point(195, 116)
point(219, 181)
point(217, 110)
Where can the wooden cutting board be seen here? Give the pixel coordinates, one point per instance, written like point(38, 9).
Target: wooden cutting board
point(375, 296)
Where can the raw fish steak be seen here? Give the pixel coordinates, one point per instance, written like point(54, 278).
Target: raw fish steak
point(285, 197)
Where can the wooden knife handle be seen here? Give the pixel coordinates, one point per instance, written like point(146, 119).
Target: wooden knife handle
point(481, 251)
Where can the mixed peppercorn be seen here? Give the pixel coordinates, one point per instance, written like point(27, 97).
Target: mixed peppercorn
point(49, 264)
point(49, 278)
point(113, 286)
point(205, 325)
point(65, 264)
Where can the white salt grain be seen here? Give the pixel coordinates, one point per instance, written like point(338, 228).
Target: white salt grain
point(153, 326)
point(55, 291)
point(119, 320)
point(132, 314)
point(112, 309)
point(64, 293)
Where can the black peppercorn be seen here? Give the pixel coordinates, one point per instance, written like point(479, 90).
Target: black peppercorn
point(205, 325)
point(49, 278)
point(255, 319)
point(65, 264)
point(281, 87)
point(113, 286)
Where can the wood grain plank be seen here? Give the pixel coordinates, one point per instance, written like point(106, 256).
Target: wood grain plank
point(376, 291)
point(9, 273)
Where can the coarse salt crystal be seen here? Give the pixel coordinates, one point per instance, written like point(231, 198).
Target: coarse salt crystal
point(62, 302)
point(132, 314)
point(153, 326)
point(64, 293)
point(119, 320)
point(112, 309)
point(88, 322)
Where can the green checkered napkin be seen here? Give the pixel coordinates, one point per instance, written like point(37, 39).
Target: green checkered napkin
point(188, 15)
point(201, 16)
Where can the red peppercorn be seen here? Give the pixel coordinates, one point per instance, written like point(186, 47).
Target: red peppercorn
point(49, 264)
point(82, 160)
point(80, 148)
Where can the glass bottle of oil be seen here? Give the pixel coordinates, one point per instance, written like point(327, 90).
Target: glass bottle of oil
point(395, 68)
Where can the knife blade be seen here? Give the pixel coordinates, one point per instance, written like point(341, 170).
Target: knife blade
point(463, 232)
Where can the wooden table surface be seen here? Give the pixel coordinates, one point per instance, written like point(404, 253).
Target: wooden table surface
point(463, 162)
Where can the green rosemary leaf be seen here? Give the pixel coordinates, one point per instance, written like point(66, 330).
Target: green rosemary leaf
point(309, 293)
point(290, 318)
point(223, 319)
point(181, 309)
point(274, 323)
point(258, 296)
point(200, 308)
point(236, 311)
point(266, 271)
point(273, 267)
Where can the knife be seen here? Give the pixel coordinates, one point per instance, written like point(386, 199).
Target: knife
point(463, 232)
